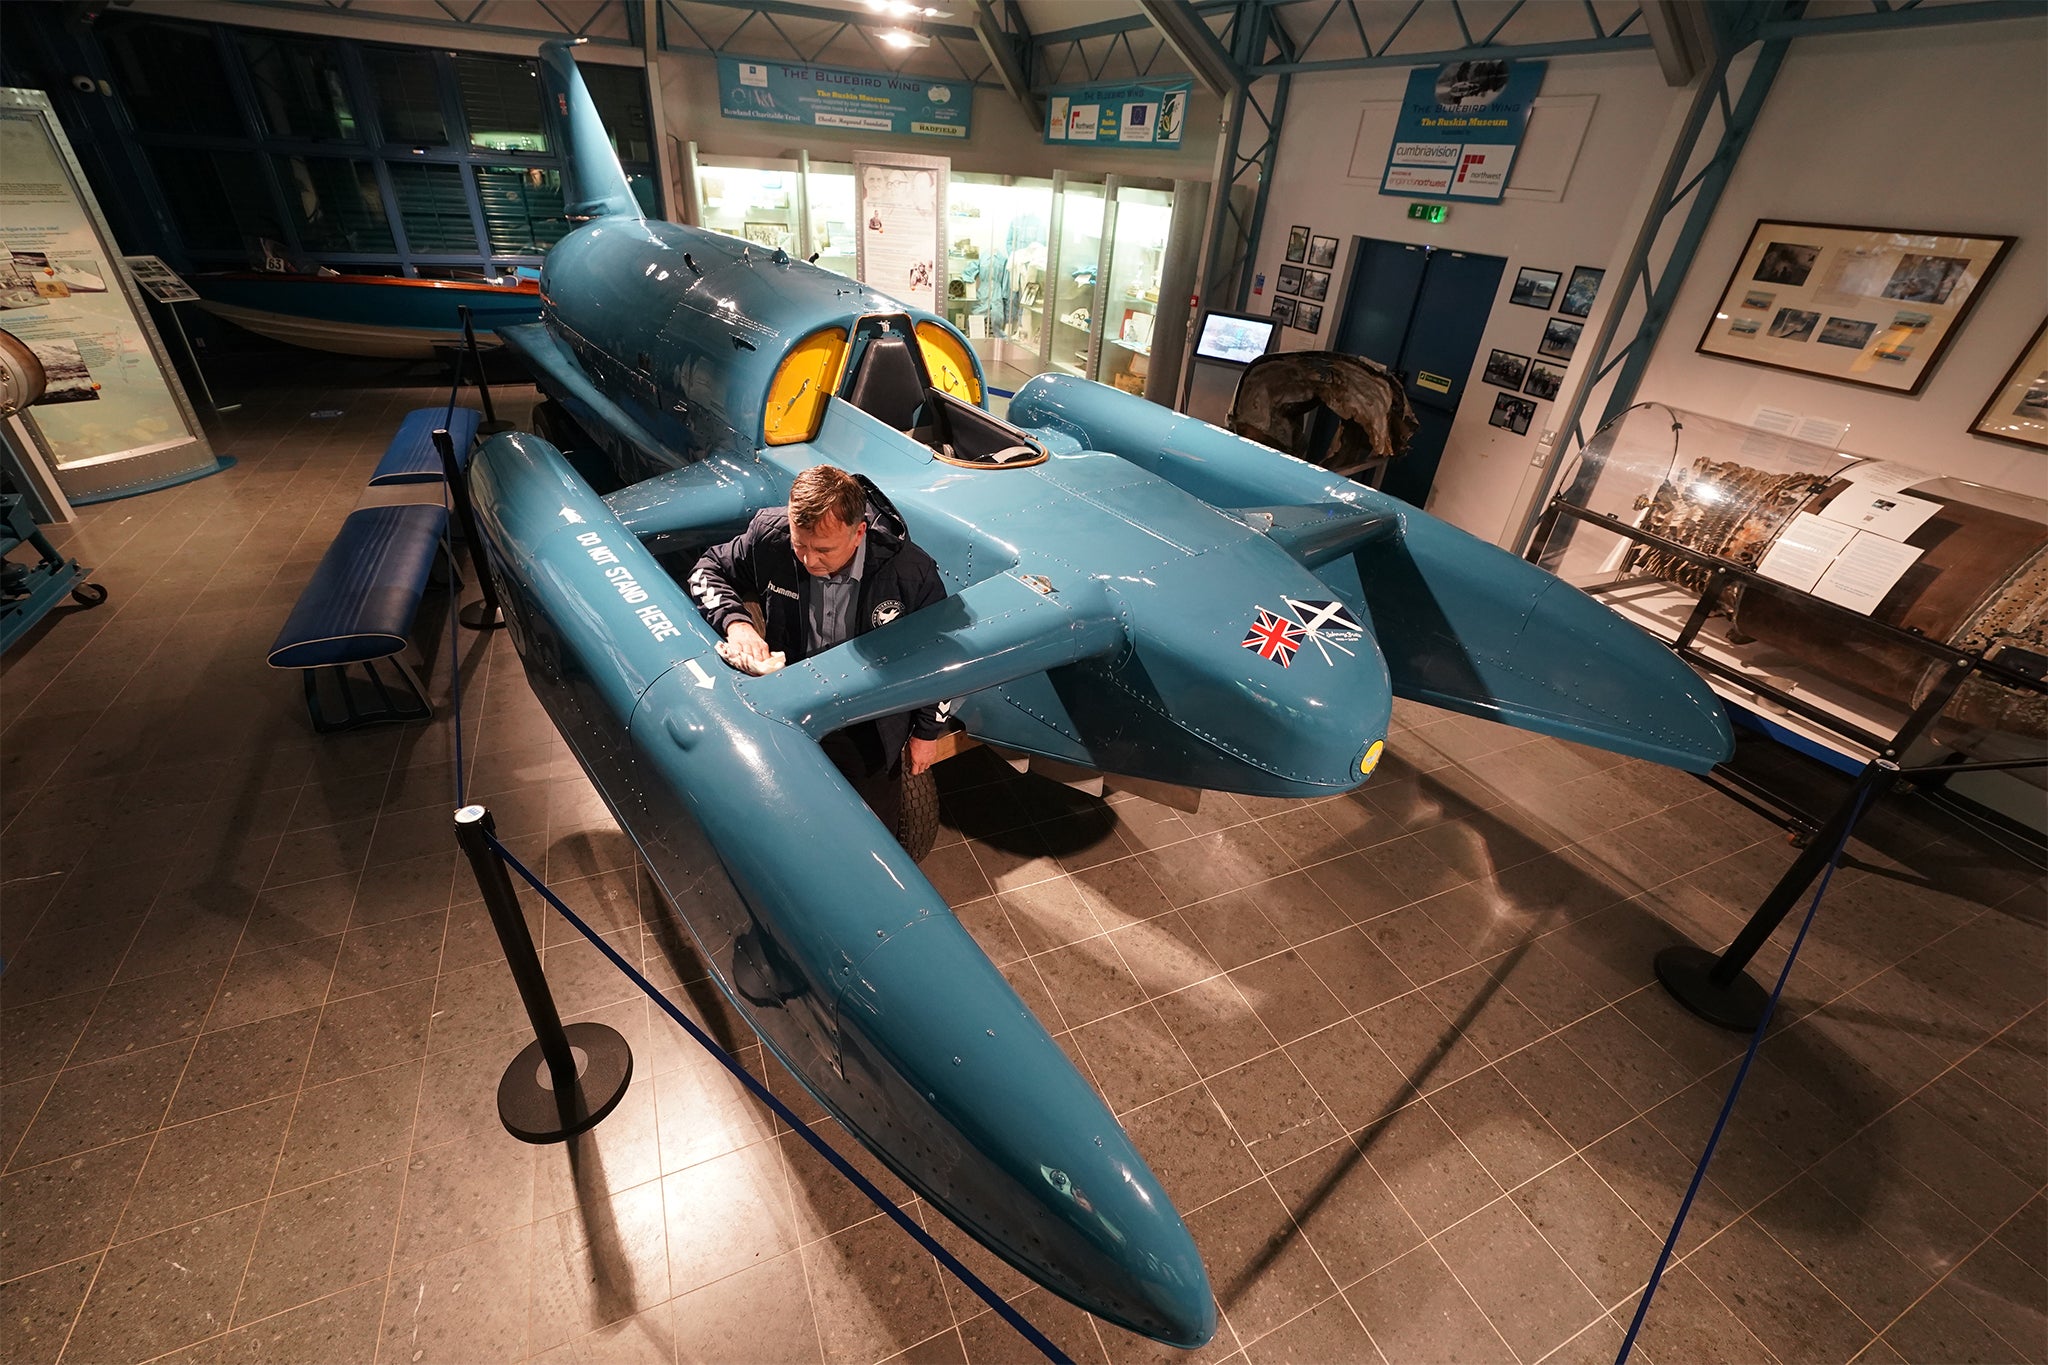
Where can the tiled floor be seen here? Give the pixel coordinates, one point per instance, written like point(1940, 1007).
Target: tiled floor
point(1398, 1056)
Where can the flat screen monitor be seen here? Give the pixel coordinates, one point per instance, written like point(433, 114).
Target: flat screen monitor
point(1235, 337)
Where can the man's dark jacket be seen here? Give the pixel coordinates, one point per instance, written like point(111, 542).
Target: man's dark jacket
point(758, 563)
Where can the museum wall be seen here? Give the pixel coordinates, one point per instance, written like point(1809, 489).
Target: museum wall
point(1002, 140)
point(1327, 176)
point(1945, 129)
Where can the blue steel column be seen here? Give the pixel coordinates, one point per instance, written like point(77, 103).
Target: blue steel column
point(1704, 191)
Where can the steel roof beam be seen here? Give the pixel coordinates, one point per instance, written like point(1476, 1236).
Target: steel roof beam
point(1192, 41)
point(1003, 48)
point(1923, 16)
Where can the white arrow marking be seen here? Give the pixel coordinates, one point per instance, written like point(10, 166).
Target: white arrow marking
point(697, 672)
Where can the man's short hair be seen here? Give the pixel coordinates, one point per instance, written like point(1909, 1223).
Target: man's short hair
point(824, 491)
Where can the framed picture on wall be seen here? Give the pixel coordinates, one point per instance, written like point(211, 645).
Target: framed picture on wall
point(1534, 288)
point(1288, 281)
point(1505, 369)
point(1282, 311)
point(2018, 409)
point(1580, 293)
point(1297, 243)
point(1322, 252)
point(1315, 285)
point(1512, 413)
point(1308, 316)
point(1560, 338)
point(1544, 381)
point(1869, 306)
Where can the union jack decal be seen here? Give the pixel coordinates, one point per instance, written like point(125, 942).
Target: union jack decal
point(1274, 637)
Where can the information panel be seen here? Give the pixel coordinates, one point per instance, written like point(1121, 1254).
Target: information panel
point(114, 417)
point(1459, 128)
point(1147, 114)
point(832, 97)
point(901, 203)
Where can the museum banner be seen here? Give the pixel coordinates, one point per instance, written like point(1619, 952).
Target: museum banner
point(1459, 129)
point(1141, 114)
point(833, 97)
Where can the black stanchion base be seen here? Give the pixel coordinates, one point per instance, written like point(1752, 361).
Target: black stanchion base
point(527, 1104)
point(1686, 972)
point(480, 615)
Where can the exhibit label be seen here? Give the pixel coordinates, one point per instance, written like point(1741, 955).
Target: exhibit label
point(1145, 114)
point(832, 97)
point(1459, 128)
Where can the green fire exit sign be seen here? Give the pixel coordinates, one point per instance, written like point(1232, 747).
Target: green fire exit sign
point(1429, 213)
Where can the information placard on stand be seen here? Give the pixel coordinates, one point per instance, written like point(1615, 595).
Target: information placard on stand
point(900, 201)
point(115, 420)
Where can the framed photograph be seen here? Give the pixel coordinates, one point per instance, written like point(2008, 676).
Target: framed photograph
point(1288, 281)
point(1534, 288)
point(1315, 285)
point(1505, 369)
point(2018, 409)
point(1308, 316)
point(1512, 413)
point(1560, 338)
point(765, 233)
point(1869, 306)
point(1544, 381)
point(1581, 291)
point(1322, 252)
point(1282, 311)
point(1297, 243)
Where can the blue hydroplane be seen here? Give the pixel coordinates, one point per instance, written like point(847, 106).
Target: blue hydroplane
point(1131, 592)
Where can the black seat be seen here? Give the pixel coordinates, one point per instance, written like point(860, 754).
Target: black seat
point(889, 385)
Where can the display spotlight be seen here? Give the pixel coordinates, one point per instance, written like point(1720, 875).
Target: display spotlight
point(903, 37)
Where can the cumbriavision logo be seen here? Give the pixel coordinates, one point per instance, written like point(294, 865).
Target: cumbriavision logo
point(1278, 635)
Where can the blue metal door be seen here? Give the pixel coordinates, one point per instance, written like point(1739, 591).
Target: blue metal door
point(1420, 311)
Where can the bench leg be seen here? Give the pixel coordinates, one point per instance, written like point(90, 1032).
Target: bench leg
point(392, 704)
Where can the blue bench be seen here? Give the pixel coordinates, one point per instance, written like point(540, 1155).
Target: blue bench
point(411, 457)
point(353, 621)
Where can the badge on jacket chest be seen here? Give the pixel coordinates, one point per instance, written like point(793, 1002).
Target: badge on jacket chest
point(885, 612)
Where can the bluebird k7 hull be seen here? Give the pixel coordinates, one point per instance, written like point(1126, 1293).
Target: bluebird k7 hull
point(1129, 590)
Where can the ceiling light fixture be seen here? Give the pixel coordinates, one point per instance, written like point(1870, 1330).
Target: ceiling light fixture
point(900, 37)
point(902, 9)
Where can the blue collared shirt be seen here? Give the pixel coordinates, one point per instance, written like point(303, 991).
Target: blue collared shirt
point(834, 598)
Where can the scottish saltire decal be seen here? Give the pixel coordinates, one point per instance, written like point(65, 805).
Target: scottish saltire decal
point(1274, 637)
point(1326, 624)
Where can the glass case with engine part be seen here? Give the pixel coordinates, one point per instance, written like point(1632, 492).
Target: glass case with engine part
point(1851, 606)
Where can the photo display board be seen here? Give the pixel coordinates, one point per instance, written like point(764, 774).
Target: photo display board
point(834, 97)
point(1871, 306)
point(1144, 114)
point(1459, 128)
point(900, 204)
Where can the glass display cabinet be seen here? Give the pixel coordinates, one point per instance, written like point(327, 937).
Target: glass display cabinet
point(1141, 220)
point(754, 198)
point(1074, 275)
point(996, 249)
point(828, 217)
point(1850, 606)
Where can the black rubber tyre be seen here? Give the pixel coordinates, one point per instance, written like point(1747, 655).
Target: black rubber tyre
point(917, 820)
point(89, 594)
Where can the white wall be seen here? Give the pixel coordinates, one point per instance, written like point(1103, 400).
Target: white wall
point(1945, 129)
point(1002, 140)
point(1313, 184)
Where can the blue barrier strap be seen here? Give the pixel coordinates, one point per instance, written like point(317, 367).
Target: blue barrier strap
point(1756, 1040)
point(782, 1111)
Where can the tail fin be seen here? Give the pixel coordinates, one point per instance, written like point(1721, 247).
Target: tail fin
point(594, 185)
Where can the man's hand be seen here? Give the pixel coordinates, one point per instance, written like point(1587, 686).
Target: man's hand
point(746, 643)
point(923, 753)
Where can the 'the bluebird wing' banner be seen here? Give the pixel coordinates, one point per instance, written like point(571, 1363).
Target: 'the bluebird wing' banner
point(832, 97)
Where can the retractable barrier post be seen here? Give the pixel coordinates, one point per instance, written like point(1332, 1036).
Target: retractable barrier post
point(490, 426)
point(570, 1077)
point(486, 614)
point(1714, 985)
